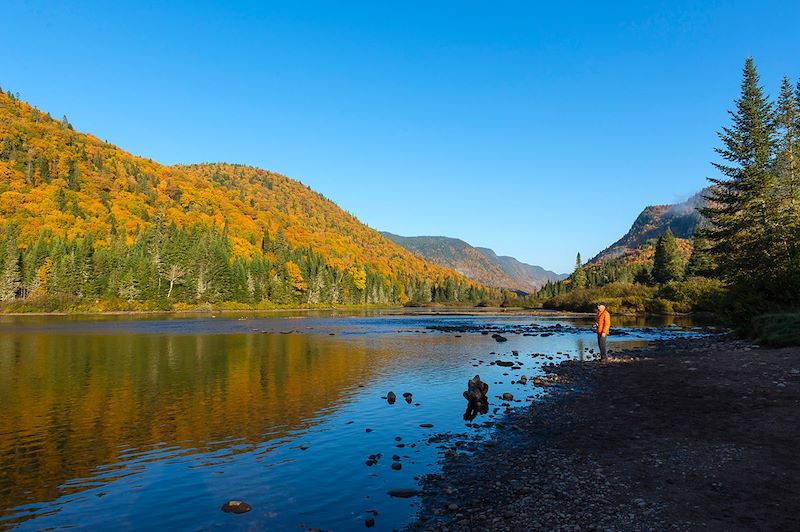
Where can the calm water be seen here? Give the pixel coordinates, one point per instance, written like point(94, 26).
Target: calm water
point(131, 423)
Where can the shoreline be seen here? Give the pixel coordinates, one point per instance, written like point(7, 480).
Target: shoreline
point(685, 434)
point(421, 311)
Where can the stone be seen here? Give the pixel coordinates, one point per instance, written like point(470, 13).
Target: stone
point(403, 493)
point(236, 507)
point(369, 522)
point(508, 397)
point(397, 466)
point(391, 398)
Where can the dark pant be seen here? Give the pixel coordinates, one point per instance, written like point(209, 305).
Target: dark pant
point(601, 342)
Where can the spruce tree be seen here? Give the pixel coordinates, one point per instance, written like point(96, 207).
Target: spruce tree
point(667, 262)
point(701, 263)
point(743, 220)
point(578, 276)
point(787, 173)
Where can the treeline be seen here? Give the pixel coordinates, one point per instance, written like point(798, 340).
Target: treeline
point(745, 256)
point(670, 279)
point(169, 267)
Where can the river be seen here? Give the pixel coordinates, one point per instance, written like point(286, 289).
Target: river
point(133, 422)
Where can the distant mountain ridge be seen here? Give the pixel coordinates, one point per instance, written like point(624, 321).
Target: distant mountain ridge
point(477, 263)
point(682, 218)
point(529, 275)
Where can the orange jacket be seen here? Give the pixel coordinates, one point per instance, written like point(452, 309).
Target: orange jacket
point(603, 322)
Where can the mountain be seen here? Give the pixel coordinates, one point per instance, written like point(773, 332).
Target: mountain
point(83, 218)
point(529, 277)
point(480, 264)
point(682, 218)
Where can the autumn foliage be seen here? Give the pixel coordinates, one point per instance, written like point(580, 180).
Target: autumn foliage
point(83, 219)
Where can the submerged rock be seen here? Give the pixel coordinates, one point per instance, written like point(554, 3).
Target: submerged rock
point(236, 507)
point(391, 398)
point(403, 493)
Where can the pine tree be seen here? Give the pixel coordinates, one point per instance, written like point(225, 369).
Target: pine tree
point(578, 276)
point(667, 262)
point(701, 263)
point(743, 220)
point(787, 173)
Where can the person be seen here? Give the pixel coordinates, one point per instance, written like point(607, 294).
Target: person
point(603, 327)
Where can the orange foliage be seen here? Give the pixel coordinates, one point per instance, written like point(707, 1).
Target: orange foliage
point(75, 184)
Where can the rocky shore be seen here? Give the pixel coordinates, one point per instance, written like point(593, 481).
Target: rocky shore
point(685, 435)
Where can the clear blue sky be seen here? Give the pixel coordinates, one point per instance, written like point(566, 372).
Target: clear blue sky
point(537, 130)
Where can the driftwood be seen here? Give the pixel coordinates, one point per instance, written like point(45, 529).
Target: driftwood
point(476, 396)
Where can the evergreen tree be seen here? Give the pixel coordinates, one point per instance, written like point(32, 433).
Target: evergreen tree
point(667, 262)
point(787, 173)
point(743, 219)
point(579, 276)
point(701, 262)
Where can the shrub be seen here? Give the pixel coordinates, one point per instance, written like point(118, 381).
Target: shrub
point(778, 329)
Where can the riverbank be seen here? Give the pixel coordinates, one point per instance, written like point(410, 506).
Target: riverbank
point(686, 435)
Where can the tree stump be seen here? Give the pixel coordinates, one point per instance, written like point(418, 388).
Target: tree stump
point(476, 396)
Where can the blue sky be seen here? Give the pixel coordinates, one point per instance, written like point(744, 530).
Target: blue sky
point(538, 130)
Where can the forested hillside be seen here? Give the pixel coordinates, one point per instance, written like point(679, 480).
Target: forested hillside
point(480, 264)
point(456, 254)
point(83, 222)
point(682, 219)
point(529, 277)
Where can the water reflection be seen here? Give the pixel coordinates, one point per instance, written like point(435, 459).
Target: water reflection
point(155, 422)
point(81, 401)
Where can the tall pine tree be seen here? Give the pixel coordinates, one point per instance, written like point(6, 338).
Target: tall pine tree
point(667, 264)
point(701, 262)
point(743, 221)
point(579, 276)
point(787, 174)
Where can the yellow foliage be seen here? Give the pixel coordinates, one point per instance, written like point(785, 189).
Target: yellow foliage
point(79, 182)
point(296, 279)
point(359, 277)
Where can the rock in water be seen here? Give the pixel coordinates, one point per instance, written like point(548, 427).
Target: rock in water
point(499, 338)
point(236, 507)
point(403, 493)
point(391, 398)
point(369, 522)
point(477, 401)
point(508, 397)
point(504, 363)
point(397, 466)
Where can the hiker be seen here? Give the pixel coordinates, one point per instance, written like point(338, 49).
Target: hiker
point(603, 326)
